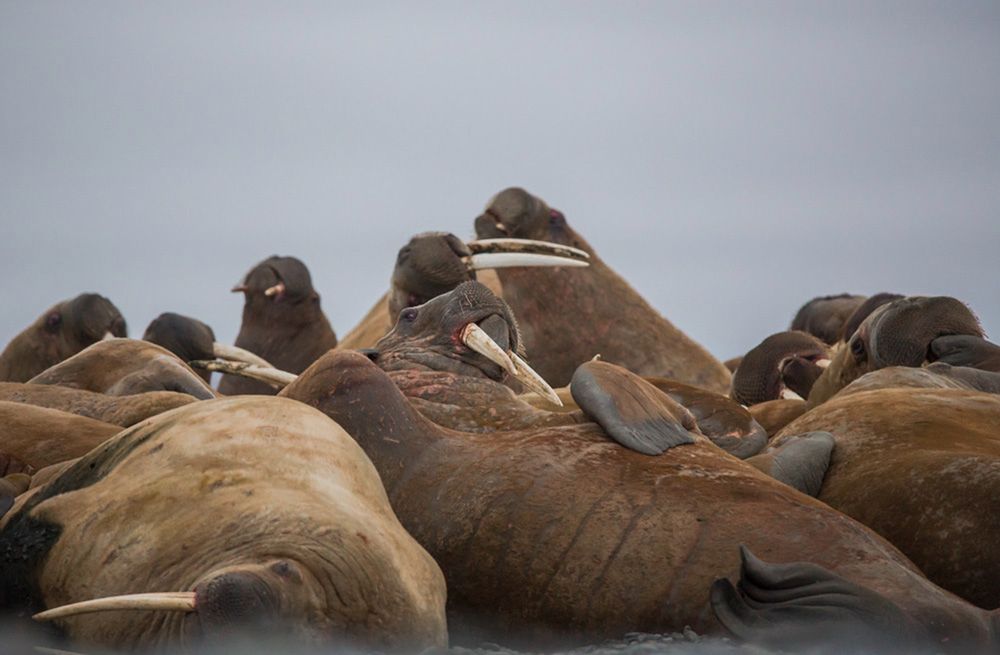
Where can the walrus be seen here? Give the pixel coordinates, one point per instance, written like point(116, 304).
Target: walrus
point(433, 263)
point(283, 321)
point(898, 333)
point(124, 367)
point(186, 337)
point(60, 332)
point(570, 315)
point(230, 514)
point(852, 324)
point(922, 468)
point(784, 365)
point(824, 316)
point(550, 537)
point(39, 436)
point(122, 411)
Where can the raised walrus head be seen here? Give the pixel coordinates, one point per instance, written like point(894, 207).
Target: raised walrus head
point(516, 213)
point(186, 337)
point(242, 514)
point(282, 321)
point(824, 316)
point(429, 265)
point(784, 365)
point(62, 331)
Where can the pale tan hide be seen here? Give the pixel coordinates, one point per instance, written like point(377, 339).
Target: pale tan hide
point(118, 410)
point(40, 437)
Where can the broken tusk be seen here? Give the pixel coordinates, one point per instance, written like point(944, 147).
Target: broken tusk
point(237, 354)
point(533, 381)
point(476, 338)
point(276, 378)
point(176, 601)
point(276, 290)
point(504, 245)
point(788, 394)
point(107, 336)
point(514, 259)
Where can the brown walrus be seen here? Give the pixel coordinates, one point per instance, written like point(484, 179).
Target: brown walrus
point(824, 316)
point(570, 315)
point(62, 331)
point(39, 436)
point(554, 536)
point(121, 367)
point(784, 365)
point(251, 512)
point(282, 321)
point(186, 337)
point(117, 410)
point(922, 468)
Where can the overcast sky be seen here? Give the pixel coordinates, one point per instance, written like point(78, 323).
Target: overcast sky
point(731, 160)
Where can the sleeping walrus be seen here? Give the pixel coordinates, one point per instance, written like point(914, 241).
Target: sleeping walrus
point(234, 514)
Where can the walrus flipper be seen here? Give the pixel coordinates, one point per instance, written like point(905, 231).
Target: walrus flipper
point(800, 604)
point(799, 461)
point(633, 412)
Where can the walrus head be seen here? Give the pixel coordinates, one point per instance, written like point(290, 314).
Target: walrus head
point(186, 337)
point(516, 213)
point(429, 265)
point(852, 324)
point(784, 365)
point(824, 316)
point(275, 286)
point(59, 333)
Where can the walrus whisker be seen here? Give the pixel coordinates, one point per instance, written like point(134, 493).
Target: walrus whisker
point(507, 245)
point(533, 381)
point(514, 259)
point(276, 378)
point(176, 601)
point(237, 354)
point(478, 340)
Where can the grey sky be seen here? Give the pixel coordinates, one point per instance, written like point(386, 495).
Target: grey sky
point(730, 160)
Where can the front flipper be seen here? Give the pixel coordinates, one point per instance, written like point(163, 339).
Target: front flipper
point(800, 461)
point(801, 604)
point(632, 411)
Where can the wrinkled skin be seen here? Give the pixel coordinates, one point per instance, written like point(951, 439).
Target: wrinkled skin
point(899, 333)
point(786, 360)
point(61, 332)
point(556, 536)
point(296, 539)
point(40, 437)
point(569, 315)
point(922, 468)
point(288, 329)
point(824, 317)
point(122, 367)
point(118, 410)
point(186, 337)
point(966, 350)
point(852, 324)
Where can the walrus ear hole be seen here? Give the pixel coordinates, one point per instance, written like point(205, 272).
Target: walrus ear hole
point(53, 321)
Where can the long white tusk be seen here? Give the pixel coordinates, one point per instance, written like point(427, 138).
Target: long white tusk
point(822, 363)
point(788, 394)
point(513, 259)
point(177, 601)
point(476, 338)
point(107, 336)
point(236, 354)
point(276, 378)
point(526, 245)
point(533, 381)
point(278, 288)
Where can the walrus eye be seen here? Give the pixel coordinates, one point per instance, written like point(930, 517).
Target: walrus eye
point(53, 321)
point(409, 315)
point(858, 349)
point(556, 217)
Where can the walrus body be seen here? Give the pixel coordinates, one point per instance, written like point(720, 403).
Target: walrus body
point(922, 468)
point(568, 316)
point(123, 411)
point(39, 436)
point(62, 331)
point(555, 536)
point(122, 367)
point(264, 508)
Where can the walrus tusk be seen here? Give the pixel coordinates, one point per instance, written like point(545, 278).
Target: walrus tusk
point(237, 354)
point(822, 363)
point(533, 246)
point(53, 651)
point(514, 259)
point(277, 289)
point(107, 336)
point(788, 394)
point(179, 601)
point(533, 381)
point(476, 338)
point(276, 378)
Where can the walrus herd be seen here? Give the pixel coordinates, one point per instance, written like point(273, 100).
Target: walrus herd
point(512, 447)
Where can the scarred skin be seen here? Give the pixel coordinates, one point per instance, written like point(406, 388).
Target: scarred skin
point(264, 507)
point(556, 536)
point(922, 468)
point(568, 315)
point(118, 410)
point(40, 437)
point(62, 331)
point(288, 329)
point(122, 367)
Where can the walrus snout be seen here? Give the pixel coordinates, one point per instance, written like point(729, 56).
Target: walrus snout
point(233, 602)
point(901, 333)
